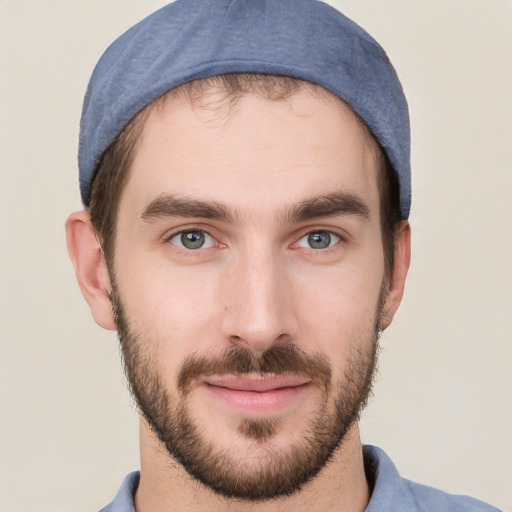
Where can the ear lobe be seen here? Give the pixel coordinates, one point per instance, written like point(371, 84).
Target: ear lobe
point(400, 269)
point(90, 268)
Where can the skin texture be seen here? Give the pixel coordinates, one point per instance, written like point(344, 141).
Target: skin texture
point(243, 178)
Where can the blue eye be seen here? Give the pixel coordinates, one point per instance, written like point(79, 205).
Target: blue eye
point(319, 240)
point(192, 240)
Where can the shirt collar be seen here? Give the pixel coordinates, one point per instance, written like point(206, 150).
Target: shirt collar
point(390, 491)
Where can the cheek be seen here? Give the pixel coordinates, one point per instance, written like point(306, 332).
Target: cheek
point(339, 312)
point(173, 311)
point(180, 310)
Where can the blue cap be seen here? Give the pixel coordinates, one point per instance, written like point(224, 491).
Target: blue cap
point(191, 39)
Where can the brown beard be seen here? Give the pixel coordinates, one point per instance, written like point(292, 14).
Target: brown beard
point(275, 473)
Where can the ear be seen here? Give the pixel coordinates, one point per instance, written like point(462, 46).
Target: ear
point(400, 269)
point(90, 268)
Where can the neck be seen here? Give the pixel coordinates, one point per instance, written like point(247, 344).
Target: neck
point(166, 486)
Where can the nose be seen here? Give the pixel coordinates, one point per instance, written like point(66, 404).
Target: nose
point(258, 301)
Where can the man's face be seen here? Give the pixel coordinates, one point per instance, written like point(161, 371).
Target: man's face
point(248, 284)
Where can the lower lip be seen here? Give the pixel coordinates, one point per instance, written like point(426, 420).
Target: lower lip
point(257, 402)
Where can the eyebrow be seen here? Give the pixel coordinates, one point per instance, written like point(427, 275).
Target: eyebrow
point(331, 205)
point(173, 206)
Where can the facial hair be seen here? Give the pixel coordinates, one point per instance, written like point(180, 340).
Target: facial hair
point(275, 473)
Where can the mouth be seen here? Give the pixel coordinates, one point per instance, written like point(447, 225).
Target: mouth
point(256, 395)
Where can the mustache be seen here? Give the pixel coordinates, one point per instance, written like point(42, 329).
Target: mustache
point(282, 359)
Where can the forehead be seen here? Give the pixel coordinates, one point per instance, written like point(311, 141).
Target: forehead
point(234, 148)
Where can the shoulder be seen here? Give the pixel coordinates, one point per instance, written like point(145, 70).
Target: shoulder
point(392, 492)
point(123, 502)
point(429, 498)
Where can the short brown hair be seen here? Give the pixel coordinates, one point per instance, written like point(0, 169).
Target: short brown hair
point(113, 169)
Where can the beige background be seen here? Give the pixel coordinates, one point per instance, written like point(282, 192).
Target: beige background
point(442, 405)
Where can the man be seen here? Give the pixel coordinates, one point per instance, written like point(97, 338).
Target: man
point(245, 171)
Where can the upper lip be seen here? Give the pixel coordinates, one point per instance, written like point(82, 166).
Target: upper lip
point(257, 383)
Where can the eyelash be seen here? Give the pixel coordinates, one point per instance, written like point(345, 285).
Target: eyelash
point(190, 231)
point(213, 242)
point(322, 232)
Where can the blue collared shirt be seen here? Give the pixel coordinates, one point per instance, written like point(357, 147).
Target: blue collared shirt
point(391, 492)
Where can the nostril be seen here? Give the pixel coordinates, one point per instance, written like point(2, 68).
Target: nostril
point(283, 338)
point(260, 344)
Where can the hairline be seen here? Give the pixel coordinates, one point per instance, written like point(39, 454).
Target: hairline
point(196, 91)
